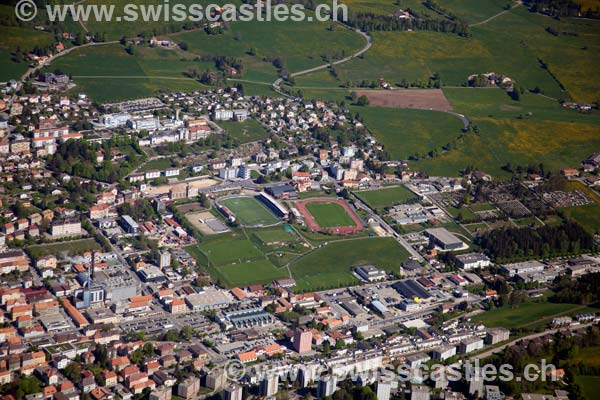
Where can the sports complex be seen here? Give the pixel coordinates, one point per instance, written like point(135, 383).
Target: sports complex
point(329, 215)
point(252, 210)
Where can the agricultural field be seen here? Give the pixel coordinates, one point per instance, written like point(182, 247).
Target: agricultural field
point(246, 131)
point(23, 38)
point(275, 40)
point(589, 384)
point(386, 197)
point(329, 215)
point(470, 10)
point(518, 142)
point(512, 44)
point(108, 73)
point(331, 265)
point(249, 211)
point(422, 99)
point(407, 133)
point(587, 216)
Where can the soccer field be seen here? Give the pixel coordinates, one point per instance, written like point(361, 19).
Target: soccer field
point(386, 197)
point(249, 211)
point(331, 265)
point(329, 215)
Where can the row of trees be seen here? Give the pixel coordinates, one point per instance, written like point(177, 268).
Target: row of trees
point(376, 22)
point(514, 244)
point(582, 291)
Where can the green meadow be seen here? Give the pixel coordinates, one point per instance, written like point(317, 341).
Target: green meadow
point(26, 39)
point(514, 44)
point(405, 133)
point(246, 131)
point(331, 265)
point(300, 45)
point(108, 73)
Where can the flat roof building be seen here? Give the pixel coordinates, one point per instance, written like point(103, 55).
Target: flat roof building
point(444, 239)
point(208, 299)
point(523, 267)
point(129, 224)
point(369, 273)
point(472, 261)
point(411, 289)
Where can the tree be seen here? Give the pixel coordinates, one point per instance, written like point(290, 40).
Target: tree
point(362, 101)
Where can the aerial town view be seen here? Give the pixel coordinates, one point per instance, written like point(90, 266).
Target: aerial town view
point(300, 199)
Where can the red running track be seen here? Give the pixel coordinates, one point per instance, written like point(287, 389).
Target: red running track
point(336, 230)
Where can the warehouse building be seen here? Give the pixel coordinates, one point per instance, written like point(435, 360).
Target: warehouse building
point(411, 289)
point(444, 239)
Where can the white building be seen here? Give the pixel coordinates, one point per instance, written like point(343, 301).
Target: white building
point(472, 261)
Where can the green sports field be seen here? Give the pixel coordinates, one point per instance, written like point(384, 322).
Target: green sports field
point(232, 250)
point(249, 211)
point(233, 260)
point(329, 215)
point(250, 272)
point(331, 265)
point(386, 197)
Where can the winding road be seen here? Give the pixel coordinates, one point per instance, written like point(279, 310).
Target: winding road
point(277, 83)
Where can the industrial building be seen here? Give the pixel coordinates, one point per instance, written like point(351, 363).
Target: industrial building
point(444, 239)
point(244, 316)
point(208, 299)
point(472, 261)
point(369, 273)
point(411, 289)
point(523, 268)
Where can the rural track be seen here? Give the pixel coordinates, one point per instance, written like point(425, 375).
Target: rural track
point(61, 54)
point(277, 84)
point(485, 21)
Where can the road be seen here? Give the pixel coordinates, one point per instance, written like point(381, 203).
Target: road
point(277, 83)
point(32, 70)
point(372, 214)
point(490, 352)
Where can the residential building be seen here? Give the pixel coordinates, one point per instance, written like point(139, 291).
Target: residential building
point(269, 386)
point(66, 227)
point(302, 341)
